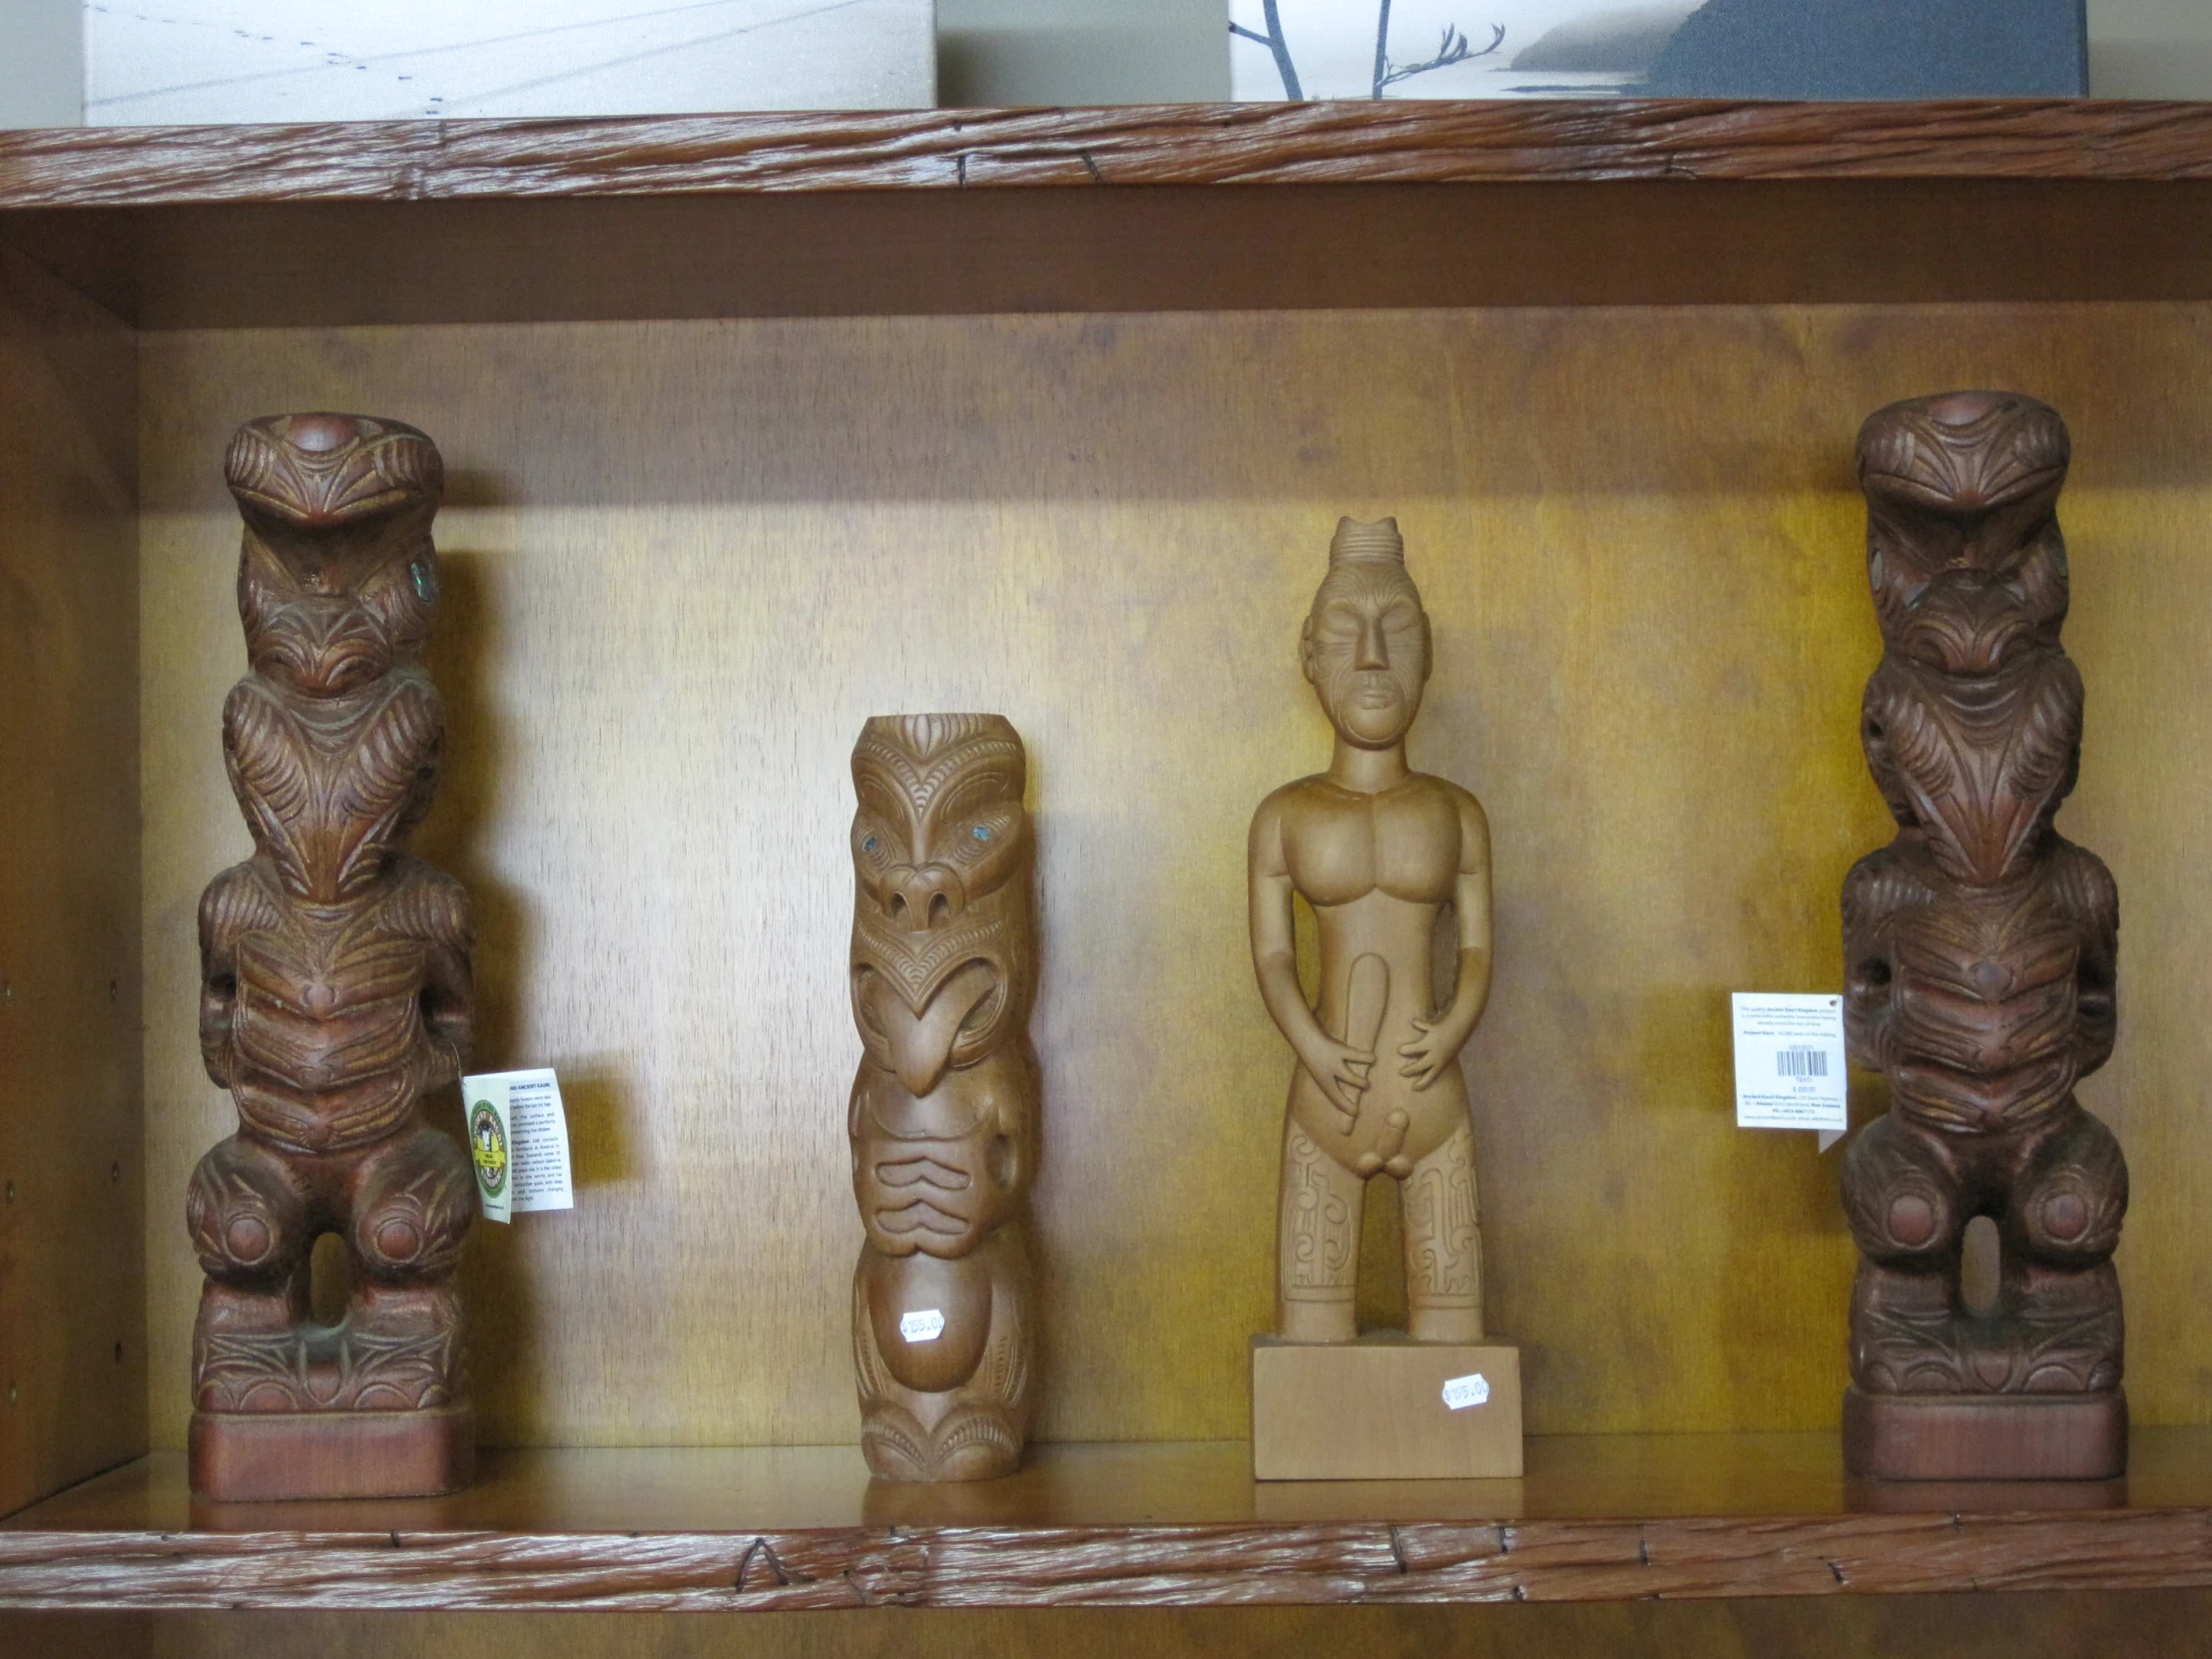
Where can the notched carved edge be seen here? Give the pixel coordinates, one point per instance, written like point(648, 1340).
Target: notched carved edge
point(1213, 1565)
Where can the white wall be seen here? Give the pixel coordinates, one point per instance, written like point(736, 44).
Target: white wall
point(42, 63)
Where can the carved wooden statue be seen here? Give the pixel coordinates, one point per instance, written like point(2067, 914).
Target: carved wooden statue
point(943, 1116)
point(1380, 852)
point(1980, 962)
point(335, 992)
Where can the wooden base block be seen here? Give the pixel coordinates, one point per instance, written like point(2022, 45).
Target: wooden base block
point(1984, 1437)
point(250, 1457)
point(1377, 1409)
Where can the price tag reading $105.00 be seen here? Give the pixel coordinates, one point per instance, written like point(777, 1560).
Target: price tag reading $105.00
point(1790, 1063)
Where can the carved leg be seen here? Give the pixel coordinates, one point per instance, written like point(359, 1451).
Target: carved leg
point(1316, 1252)
point(412, 1203)
point(1902, 1199)
point(248, 1218)
point(2058, 1231)
point(1443, 1264)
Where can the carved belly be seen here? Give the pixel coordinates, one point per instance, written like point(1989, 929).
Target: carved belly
point(328, 1048)
point(911, 1293)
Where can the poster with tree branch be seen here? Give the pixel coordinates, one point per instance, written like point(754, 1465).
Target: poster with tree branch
point(1370, 49)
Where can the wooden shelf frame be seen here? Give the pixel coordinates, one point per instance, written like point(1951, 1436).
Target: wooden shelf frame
point(1597, 1518)
point(1185, 207)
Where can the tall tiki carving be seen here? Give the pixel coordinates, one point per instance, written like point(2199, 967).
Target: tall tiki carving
point(943, 1115)
point(336, 992)
point(1979, 962)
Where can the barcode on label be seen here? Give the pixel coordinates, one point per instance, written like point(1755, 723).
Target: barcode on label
point(1801, 1063)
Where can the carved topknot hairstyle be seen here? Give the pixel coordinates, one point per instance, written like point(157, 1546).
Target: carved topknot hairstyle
point(1378, 541)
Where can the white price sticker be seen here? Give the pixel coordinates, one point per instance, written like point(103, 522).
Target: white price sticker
point(1790, 1063)
point(924, 1326)
point(518, 1140)
point(1464, 1392)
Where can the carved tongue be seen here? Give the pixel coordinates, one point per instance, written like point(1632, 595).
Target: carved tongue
point(920, 1045)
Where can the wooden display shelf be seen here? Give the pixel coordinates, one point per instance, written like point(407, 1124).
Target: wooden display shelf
point(1597, 1518)
point(1182, 206)
point(1069, 461)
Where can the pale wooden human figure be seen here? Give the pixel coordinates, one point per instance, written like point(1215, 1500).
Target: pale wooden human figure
point(1379, 852)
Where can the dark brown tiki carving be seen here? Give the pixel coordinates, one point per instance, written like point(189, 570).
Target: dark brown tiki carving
point(1979, 953)
point(335, 974)
point(943, 1116)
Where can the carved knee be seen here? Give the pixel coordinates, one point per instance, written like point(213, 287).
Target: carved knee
point(2066, 1211)
point(412, 1209)
point(247, 1217)
point(1902, 1203)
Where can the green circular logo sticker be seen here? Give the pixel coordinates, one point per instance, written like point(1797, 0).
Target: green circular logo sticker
point(489, 1144)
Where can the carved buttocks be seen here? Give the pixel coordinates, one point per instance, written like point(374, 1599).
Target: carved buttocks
point(944, 1111)
point(335, 983)
point(1979, 946)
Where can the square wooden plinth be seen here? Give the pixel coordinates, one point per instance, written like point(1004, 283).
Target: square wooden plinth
point(1375, 1409)
point(249, 1457)
point(1984, 1437)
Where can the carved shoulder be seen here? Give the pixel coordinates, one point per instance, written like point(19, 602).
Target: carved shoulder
point(423, 903)
point(236, 903)
point(1264, 848)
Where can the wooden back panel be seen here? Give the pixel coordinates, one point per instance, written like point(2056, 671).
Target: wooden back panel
point(72, 1286)
point(684, 561)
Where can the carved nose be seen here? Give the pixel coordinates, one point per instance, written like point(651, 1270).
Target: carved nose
point(924, 898)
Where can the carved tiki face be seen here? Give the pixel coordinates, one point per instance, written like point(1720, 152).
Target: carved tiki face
point(1973, 723)
point(332, 742)
point(1364, 646)
point(943, 948)
point(337, 579)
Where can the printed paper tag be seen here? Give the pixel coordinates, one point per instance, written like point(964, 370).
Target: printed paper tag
point(925, 1326)
point(1464, 1392)
point(1790, 1063)
point(518, 1136)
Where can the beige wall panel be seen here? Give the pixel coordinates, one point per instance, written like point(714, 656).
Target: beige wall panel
point(684, 561)
point(71, 1286)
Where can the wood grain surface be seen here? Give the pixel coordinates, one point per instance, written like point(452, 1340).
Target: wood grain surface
point(71, 1276)
point(1163, 1525)
point(684, 562)
point(2056, 1625)
point(1304, 206)
point(1175, 144)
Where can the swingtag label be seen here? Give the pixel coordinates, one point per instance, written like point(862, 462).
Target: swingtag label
point(518, 1140)
point(1790, 1063)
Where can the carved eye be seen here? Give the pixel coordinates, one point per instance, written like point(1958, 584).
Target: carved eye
point(421, 573)
point(869, 845)
point(982, 832)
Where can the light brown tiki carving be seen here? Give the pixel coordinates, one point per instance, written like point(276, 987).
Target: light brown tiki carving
point(1379, 852)
point(1979, 958)
point(943, 1116)
point(334, 990)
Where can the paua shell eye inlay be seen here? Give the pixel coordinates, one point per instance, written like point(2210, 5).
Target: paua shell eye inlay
point(982, 832)
point(871, 844)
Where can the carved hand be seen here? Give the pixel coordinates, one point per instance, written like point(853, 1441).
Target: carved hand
point(1340, 1069)
point(1437, 1044)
